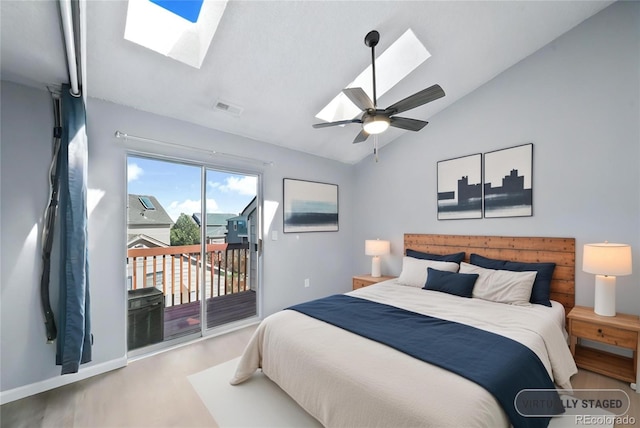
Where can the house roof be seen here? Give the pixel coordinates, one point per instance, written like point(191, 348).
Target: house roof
point(216, 231)
point(251, 206)
point(216, 223)
point(146, 240)
point(138, 215)
point(213, 219)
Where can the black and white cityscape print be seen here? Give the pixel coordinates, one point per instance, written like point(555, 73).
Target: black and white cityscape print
point(508, 179)
point(460, 188)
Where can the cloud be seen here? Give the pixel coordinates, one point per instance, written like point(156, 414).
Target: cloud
point(245, 185)
point(133, 172)
point(212, 206)
point(189, 207)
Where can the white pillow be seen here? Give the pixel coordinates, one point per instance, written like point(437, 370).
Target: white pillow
point(502, 286)
point(414, 271)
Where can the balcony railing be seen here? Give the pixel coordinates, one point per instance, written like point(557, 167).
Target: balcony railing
point(177, 271)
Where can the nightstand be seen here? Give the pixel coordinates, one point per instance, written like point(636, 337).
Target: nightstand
point(365, 280)
point(621, 331)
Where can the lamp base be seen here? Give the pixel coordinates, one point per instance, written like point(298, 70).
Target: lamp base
point(605, 297)
point(375, 267)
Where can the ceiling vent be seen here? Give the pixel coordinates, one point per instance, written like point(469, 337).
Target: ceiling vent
point(227, 107)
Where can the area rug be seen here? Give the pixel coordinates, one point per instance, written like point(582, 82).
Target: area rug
point(260, 403)
point(256, 403)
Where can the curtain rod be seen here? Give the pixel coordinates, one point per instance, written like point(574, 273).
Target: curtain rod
point(215, 153)
point(70, 43)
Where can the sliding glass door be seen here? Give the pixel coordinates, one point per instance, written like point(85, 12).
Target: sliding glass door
point(231, 241)
point(191, 265)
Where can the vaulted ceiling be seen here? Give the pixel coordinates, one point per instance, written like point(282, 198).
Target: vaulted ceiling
point(282, 61)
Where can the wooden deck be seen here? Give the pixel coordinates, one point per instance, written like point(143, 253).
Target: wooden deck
point(184, 319)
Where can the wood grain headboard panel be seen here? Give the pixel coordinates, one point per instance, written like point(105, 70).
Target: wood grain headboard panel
point(561, 251)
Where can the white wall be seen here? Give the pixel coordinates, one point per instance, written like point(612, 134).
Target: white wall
point(28, 364)
point(577, 101)
point(26, 141)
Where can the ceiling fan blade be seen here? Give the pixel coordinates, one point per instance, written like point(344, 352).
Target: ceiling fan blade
point(339, 122)
point(419, 98)
point(359, 97)
point(362, 136)
point(408, 124)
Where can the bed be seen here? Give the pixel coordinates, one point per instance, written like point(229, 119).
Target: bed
point(347, 380)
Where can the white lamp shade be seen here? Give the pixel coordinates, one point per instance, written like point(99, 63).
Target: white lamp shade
point(607, 259)
point(375, 124)
point(376, 247)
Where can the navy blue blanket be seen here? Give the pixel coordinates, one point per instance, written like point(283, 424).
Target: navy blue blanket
point(500, 365)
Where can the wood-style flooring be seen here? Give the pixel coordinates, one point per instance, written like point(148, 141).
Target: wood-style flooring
point(155, 392)
point(184, 319)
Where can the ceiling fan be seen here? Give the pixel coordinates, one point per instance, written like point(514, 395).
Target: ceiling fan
point(375, 120)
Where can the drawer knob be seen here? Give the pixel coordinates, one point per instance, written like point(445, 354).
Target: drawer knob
point(599, 331)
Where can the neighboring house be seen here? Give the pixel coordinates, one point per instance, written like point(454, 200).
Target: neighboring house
point(143, 241)
point(148, 226)
point(153, 278)
point(216, 226)
point(242, 228)
point(250, 212)
point(237, 230)
point(146, 217)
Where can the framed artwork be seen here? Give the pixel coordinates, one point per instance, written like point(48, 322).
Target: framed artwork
point(309, 206)
point(460, 188)
point(508, 182)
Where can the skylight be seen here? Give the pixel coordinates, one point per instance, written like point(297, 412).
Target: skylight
point(393, 65)
point(179, 29)
point(146, 203)
point(188, 9)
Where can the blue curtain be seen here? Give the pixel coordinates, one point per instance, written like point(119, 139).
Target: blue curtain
point(74, 332)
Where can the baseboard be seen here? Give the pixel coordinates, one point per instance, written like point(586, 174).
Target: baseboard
point(56, 382)
point(84, 373)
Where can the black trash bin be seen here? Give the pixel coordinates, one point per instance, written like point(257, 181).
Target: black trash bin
point(146, 317)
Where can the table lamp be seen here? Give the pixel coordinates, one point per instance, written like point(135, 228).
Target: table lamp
point(376, 248)
point(606, 261)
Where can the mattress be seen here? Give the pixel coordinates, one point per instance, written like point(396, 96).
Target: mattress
point(346, 380)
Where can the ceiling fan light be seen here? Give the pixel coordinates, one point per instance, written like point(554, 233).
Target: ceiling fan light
point(375, 124)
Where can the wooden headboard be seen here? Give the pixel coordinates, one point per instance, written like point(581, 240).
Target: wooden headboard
point(560, 251)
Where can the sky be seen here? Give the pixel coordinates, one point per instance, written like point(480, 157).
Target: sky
point(177, 187)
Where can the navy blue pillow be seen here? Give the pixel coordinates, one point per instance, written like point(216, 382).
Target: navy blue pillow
point(541, 286)
point(458, 284)
point(456, 257)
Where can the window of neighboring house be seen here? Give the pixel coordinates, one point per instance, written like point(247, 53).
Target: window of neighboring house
point(150, 282)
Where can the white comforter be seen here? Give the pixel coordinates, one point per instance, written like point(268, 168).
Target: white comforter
point(345, 380)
